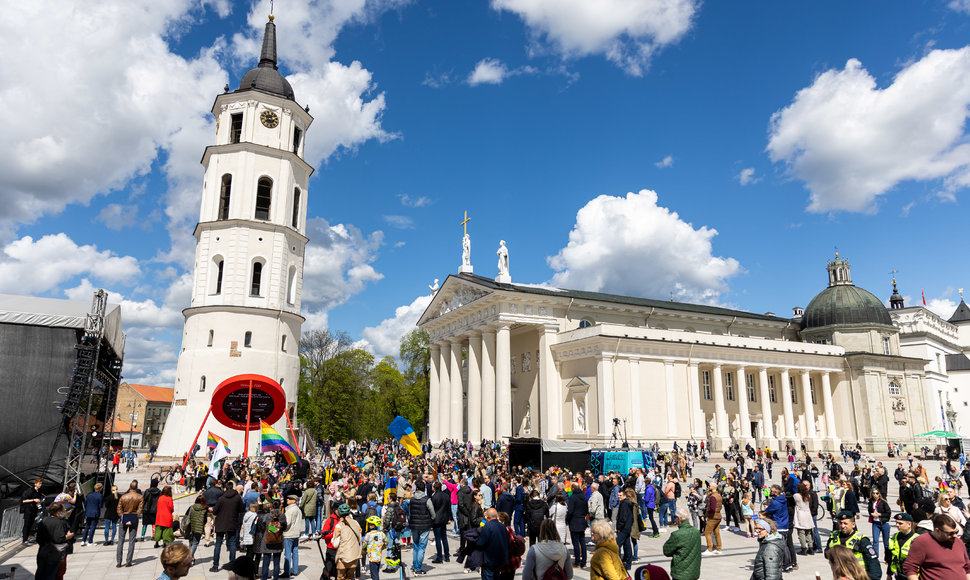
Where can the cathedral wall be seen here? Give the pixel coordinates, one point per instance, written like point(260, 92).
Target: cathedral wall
point(585, 370)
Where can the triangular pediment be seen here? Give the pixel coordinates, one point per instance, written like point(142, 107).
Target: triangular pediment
point(453, 294)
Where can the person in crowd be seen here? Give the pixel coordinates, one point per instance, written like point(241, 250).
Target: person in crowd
point(938, 554)
point(683, 547)
point(557, 512)
point(53, 536)
point(164, 517)
point(347, 540)
point(93, 503)
point(198, 514)
point(577, 514)
point(536, 511)
point(772, 552)
point(844, 565)
point(777, 511)
point(421, 521)
point(652, 497)
point(149, 508)
point(291, 535)
point(30, 505)
point(712, 514)
point(375, 540)
point(111, 515)
point(227, 513)
point(547, 552)
point(879, 514)
point(803, 522)
point(899, 546)
point(441, 501)
point(129, 509)
point(176, 560)
point(624, 528)
point(596, 505)
point(606, 563)
point(268, 538)
point(247, 533)
point(308, 505)
point(494, 541)
point(851, 538)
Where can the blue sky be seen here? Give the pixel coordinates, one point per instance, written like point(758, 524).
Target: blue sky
point(716, 152)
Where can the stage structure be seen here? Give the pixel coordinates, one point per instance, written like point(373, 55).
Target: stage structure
point(62, 363)
point(244, 316)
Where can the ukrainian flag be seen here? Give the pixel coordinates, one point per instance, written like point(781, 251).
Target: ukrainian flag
point(402, 431)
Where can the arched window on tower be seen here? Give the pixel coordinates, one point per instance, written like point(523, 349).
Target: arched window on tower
point(283, 344)
point(225, 194)
point(202, 384)
point(296, 207)
point(256, 285)
point(291, 286)
point(220, 265)
point(248, 339)
point(264, 197)
point(212, 335)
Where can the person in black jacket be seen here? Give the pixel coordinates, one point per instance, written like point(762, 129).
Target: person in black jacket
point(465, 499)
point(624, 527)
point(576, 511)
point(505, 502)
point(420, 520)
point(536, 510)
point(53, 535)
point(879, 514)
point(441, 500)
point(150, 505)
point(30, 505)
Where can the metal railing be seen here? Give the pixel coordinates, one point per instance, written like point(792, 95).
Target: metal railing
point(11, 524)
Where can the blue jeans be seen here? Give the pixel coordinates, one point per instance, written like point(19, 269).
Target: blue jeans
point(454, 517)
point(579, 547)
point(518, 522)
point(113, 526)
point(230, 538)
point(276, 566)
point(420, 543)
point(663, 514)
point(489, 574)
point(818, 540)
point(291, 553)
point(878, 529)
point(89, 527)
point(375, 570)
point(626, 549)
point(441, 541)
point(319, 517)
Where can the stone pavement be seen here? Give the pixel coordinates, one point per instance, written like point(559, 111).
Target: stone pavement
point(99, 561)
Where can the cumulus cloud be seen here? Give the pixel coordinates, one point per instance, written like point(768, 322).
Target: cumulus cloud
point(960, 6)
point(385, 338)
point(116, 216)
point(30, 266)
point(408, 201)
point(850, 141)
point(630, 245)
point(667, 161)
point(626, 32)
point(337, 265)
point(747, 176)
point(488, 71)
point(942, 307)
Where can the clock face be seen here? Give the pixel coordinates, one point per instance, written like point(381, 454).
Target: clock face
point(269, 119)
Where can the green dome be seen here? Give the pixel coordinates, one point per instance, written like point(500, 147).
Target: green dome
point(845, 304)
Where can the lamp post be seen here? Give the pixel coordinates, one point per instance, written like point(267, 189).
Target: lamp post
point(132, 417)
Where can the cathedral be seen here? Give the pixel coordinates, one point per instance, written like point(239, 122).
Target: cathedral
point(244, 317)
point(510, 360)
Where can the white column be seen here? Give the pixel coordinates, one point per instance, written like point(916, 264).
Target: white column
point(828, 407)
point(720, 414)
point(604, 394)
point(474, 387)
point(809, 408)
point(635, 411)
point(444, 390)
point(699, 423)
point(550, 386)
point(767, 420)
point(743, 414)
point(456, 416)
point(488, 384)
point(786, 406)
point(503, 383)
point(672, 430)
point(434, 404)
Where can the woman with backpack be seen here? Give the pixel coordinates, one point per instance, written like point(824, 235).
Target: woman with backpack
point(268, 538)
point(193, 524)
point(548, 558)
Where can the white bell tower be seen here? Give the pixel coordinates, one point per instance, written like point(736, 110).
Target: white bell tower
point(245, 311)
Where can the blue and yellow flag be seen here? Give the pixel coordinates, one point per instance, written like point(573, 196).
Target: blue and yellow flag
point(402, 431)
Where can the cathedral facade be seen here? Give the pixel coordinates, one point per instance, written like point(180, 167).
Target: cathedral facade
point(512, 360)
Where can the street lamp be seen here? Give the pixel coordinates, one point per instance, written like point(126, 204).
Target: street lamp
point(132, 416)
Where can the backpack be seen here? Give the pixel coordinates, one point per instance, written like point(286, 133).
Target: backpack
point(185, 524)
point(371, 509)
point(399, 519)
point(554, 572)
point(274, 532)
point(677, 490)
point(516, 545)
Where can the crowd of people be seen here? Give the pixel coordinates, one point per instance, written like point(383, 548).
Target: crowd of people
point(365, 503)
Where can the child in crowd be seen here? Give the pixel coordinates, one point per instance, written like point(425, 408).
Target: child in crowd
point(747, 510)
point(374, 542)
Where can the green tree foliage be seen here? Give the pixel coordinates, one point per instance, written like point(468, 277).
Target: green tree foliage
point(344, 395)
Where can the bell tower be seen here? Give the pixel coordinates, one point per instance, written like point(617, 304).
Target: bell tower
point(244, 316)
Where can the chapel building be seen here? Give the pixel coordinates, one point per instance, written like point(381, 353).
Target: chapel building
point(511, 360)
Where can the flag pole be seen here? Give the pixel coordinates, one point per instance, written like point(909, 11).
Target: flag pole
point(292, 434)
point(249, 411)
point(194, 441)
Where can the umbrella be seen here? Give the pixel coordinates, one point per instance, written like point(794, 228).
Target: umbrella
point(946, 434)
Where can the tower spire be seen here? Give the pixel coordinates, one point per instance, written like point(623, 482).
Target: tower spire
point(267, 57)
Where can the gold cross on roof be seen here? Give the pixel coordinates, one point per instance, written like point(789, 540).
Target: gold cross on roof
point(464, 223)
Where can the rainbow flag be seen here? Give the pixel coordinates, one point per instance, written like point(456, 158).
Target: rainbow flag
point(214, 441)
point(404, 433)
point(270, 440)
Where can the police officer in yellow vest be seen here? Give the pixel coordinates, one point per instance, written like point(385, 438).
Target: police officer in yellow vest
point(860, 545)
point(899, 546)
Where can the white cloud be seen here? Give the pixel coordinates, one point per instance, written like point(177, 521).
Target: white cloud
point(401, 222)
point(960, 6)
point(31, 266)
point(667, 161)
point(116, 216)
point(385, 338)
point(747, 177)
point(408, 201)
point(850, 141)
point(337, 265)
point(942, 307)
point(627, 32)
point(488, 71)
point(630, 245)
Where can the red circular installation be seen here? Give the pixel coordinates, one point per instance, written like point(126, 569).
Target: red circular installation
point(231, 398)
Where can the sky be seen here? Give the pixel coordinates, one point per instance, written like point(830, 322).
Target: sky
point(712, 153)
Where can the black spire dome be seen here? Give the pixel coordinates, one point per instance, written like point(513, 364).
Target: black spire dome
point(266, 76)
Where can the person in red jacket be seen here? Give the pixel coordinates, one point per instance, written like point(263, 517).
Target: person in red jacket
point(326, 532)
point(163, 517)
